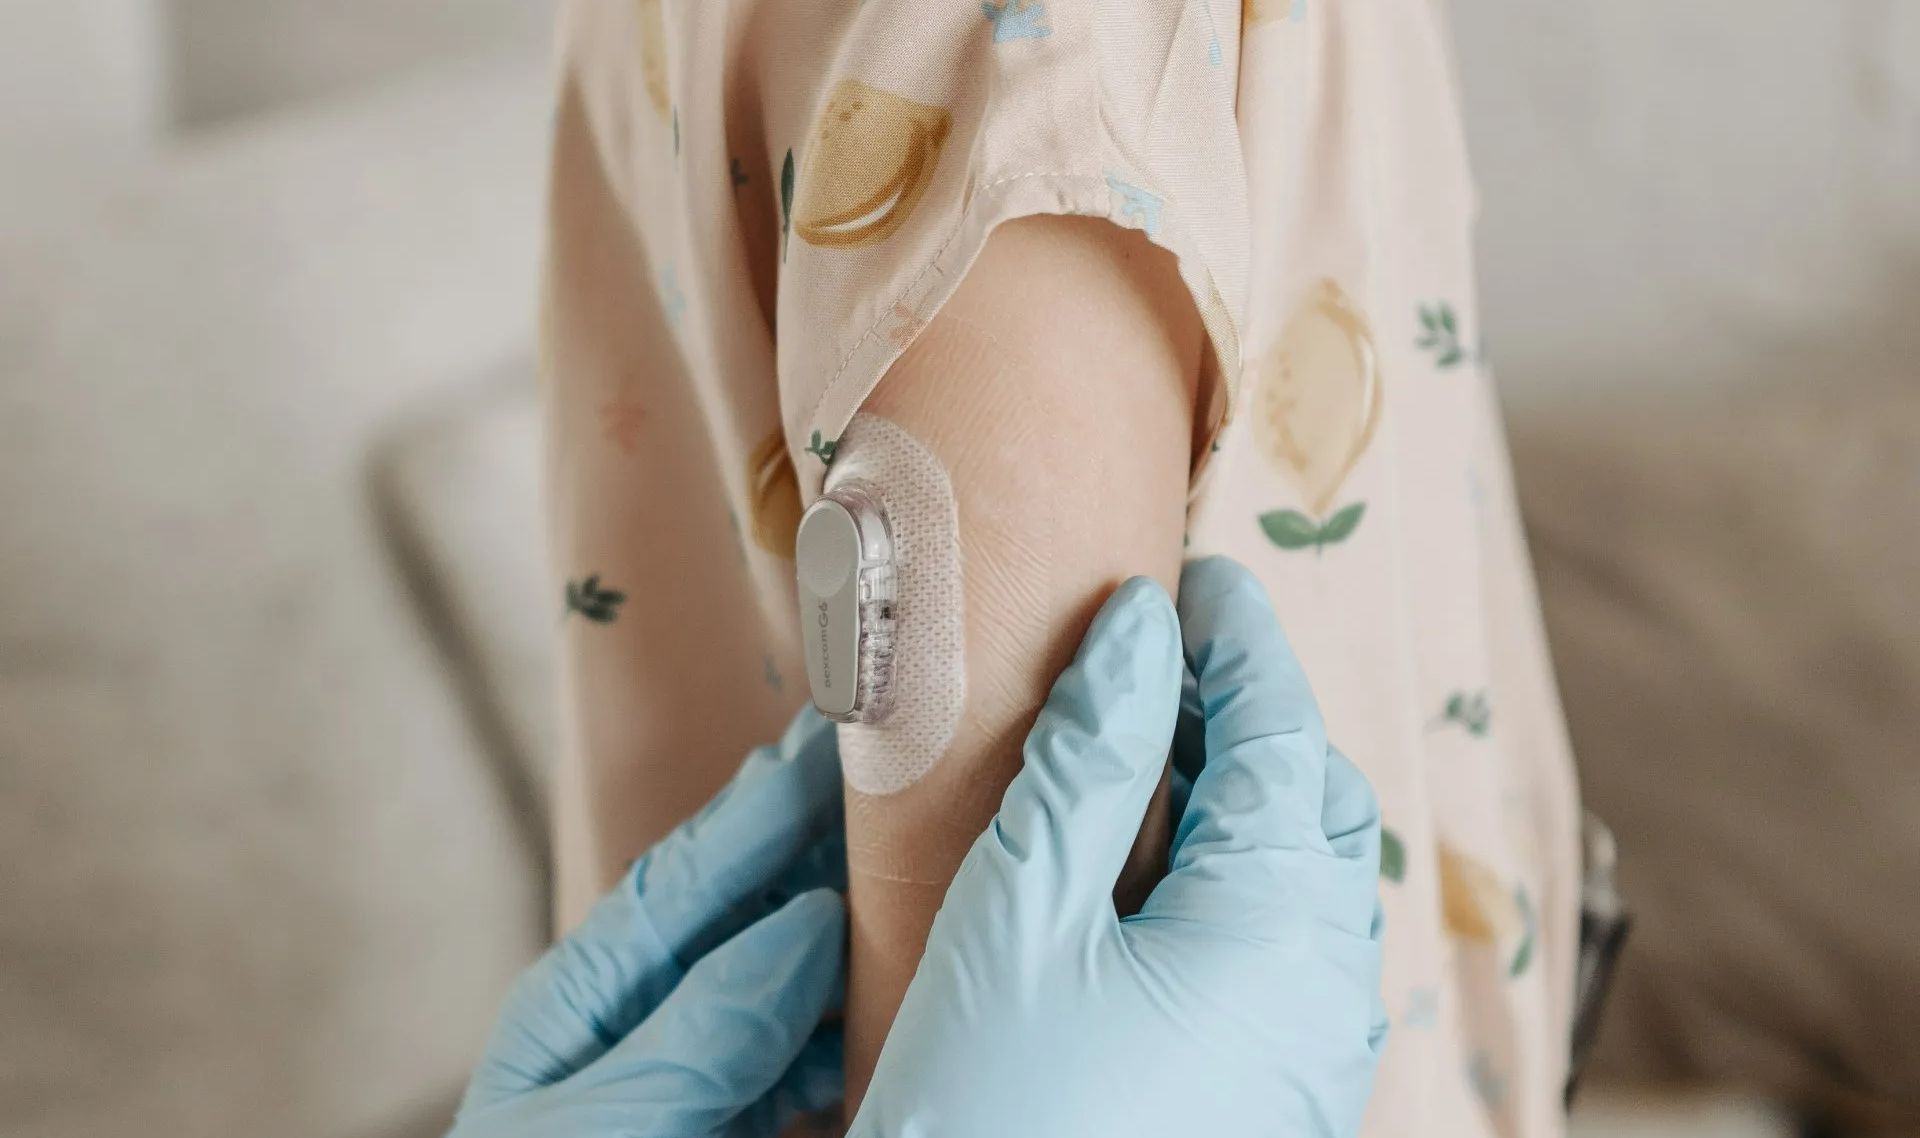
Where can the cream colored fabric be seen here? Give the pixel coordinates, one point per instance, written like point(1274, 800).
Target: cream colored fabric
point(759, 205)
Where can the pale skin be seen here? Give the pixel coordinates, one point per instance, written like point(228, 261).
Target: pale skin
point(1057, 387)
point(660, 707)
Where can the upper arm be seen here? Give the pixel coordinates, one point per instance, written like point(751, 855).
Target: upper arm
point(1057, 388)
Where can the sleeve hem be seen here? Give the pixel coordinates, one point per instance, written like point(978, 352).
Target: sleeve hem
point(1110, 195)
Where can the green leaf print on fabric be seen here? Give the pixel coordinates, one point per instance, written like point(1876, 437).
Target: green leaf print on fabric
point(1291, 529)
point(1442, 335)
point(1488, 1084)
point(1471, 711)
point(786, 201)
point(586, 597)
point(1342, 524)
point(1523, 956)
point(1393, 856)
point(822, 448)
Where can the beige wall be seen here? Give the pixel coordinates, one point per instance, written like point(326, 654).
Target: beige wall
point(232, 57)
point(87, 80)
point(79, 79)
point(1675, 192)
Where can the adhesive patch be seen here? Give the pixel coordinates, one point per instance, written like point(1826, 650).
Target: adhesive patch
point(929, 660)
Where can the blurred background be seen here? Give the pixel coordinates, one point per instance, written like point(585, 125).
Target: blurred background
point(274, 659)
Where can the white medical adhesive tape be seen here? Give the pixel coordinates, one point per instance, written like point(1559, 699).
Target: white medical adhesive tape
point(929, 656)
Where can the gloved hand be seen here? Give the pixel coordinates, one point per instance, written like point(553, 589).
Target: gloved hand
point(1243, 999)
point(689, 1002)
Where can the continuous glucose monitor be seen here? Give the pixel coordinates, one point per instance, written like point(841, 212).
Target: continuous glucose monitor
point(844, 557)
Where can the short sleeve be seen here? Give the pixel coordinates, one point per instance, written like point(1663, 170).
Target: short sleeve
point(903, 133)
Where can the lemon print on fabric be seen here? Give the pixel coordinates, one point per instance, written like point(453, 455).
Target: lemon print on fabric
point(1477, 907)
point(774, 496)
point(653, 53)
point(1267, 11)
point(867, 163)
point(1319, 394)
point(1316, 405)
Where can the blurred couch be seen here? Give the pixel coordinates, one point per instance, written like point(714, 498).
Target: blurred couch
point(259, 877)
point(1700, 265)
point(1731, 582)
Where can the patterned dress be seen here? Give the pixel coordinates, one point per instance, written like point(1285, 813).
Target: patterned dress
point(758, 205)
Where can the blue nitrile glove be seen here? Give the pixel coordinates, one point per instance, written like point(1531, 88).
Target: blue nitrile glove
point(690, 1000)
point(1243, 999)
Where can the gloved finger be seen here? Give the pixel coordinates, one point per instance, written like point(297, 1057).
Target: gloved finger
point(1189, 744)
point(1350, 818)
point(1190, 729)
point(1266, 746)
point(818, 1078)
point(735, 1026)
point(603, 978)
point(1179, 792)
point(822, 866)
point(1092, 762)
point(1350, 814)
point(1382, 1022)
point(1258, 800)
point(816, 1082)
point(785, 798)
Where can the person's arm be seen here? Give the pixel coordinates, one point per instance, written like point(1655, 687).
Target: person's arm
point(655, 703)
point(1243, 998)
point(1057, 389)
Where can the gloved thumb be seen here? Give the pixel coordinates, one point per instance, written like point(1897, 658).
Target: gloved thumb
point(1091, 764)
point(735, 1024)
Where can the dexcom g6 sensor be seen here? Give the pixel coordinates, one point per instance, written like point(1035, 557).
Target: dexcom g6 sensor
point(844, 558)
